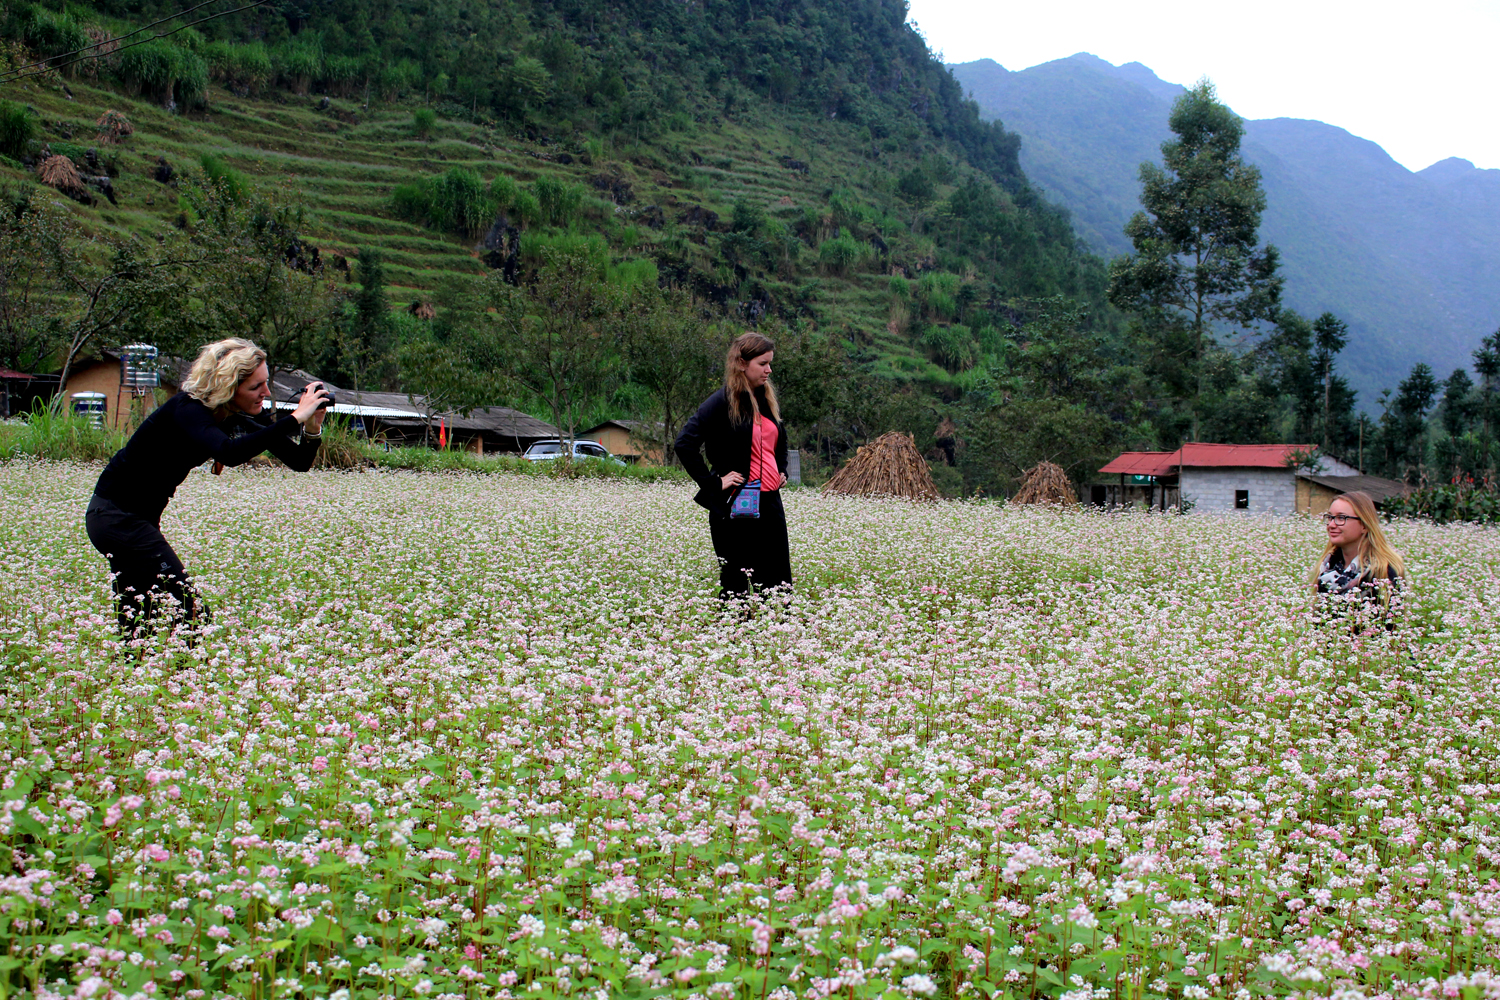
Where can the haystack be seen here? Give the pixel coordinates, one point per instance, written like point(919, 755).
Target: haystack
point(888, 466)
point(421, 310)
point(58, 172)
point(1045, 483)
point(113, 126)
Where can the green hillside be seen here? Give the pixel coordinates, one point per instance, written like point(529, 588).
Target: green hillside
point(657, 186)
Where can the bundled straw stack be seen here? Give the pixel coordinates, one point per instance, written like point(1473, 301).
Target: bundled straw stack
point(888, 466)
point(59, 172)
point(1045, 483)
point(113, 127)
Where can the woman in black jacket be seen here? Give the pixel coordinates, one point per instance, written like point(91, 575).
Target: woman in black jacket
point(229, 382)
point(740, 429)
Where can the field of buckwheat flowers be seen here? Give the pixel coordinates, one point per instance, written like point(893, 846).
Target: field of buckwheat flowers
point(494, 737)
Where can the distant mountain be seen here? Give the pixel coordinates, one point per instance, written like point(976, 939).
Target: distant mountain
point(1410, 260)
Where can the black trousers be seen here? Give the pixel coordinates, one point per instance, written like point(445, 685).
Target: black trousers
point(753, 551)
point(144, 568)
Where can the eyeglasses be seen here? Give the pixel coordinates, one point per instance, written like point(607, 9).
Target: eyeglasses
point(1339, 519)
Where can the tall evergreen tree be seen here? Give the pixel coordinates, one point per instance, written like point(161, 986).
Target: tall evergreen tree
point(1196, 265)
point(364, 355)
point(1330, 334)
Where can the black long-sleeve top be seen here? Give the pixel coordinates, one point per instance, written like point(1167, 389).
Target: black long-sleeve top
point(182, 433)
point(727, 446)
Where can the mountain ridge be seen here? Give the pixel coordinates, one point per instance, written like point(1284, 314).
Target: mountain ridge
point(1411, 259)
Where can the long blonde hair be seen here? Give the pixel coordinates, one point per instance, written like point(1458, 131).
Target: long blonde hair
point(1376, 557)
point(219, 369)
point(746, 348)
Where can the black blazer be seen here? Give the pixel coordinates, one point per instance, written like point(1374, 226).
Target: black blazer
point(727, 446)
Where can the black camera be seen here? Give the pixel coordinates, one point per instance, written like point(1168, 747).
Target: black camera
point(296, 397)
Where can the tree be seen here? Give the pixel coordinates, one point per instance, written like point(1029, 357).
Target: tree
point(1196, 266)
point(1404, 422)
point(1330, 334)
point(1064, 397)
point(559, 345)
point(453, 366)
point(262, 283)
point(363, 354)
point(33, 242)
point(1458, 403)
point(671, 353)
point(917, 188)
point(1487, 367)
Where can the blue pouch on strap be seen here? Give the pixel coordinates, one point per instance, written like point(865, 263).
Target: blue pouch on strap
point(746, 502)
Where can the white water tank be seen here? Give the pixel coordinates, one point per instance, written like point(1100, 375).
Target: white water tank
point(91, 405)
point(138, 369)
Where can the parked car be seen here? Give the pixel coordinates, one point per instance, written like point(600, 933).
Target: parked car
point(551, 449)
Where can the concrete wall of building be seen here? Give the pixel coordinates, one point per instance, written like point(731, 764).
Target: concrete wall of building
point(1272, 491)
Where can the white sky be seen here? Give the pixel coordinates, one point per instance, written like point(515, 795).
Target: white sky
point(1422, 80)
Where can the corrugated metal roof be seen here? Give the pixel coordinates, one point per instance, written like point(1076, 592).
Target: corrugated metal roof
point(1142, 463)
point(1201, 455)
point(1198, 455)
point(1378, 488)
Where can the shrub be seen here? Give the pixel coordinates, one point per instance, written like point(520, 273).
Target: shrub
point(71, 150)
point(525, 210)
point(591, 247)
point(413, 202)
point(60, 437)
point(18, 127)
point(395, 79)
point(938, 291)
point(342, 74)
point(150, 69)
point(299, 62)
point(560, 202)
point(950, 346)
point(191, 88)
point(840, 254)
point(460, 202)
point(52, 34)
point(247, 67)
point(235, 185)
point(423, 120)
point(636, 272)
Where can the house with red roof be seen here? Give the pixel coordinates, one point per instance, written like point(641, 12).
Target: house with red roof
point(1249, 477)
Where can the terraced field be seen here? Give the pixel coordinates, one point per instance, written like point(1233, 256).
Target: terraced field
point(341, 159)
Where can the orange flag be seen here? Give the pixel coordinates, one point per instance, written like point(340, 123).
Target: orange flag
point(442, 432)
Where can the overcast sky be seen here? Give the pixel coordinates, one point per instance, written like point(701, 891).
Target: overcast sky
point(1419, 79)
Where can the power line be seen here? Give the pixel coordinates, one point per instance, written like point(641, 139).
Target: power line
point(19, 75)
point(137, 31)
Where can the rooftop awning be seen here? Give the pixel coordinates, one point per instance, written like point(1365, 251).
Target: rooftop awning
point(357, 410)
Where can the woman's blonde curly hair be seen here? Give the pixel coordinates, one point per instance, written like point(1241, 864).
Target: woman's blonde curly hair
point(219, 370)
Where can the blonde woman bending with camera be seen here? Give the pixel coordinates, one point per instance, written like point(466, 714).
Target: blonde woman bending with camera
point(1358, 569)
point(208, 419)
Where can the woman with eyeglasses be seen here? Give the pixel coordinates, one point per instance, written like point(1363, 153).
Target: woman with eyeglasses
point(1358, 567)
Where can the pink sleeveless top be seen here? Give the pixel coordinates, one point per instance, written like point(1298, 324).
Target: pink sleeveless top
point(763, 454)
